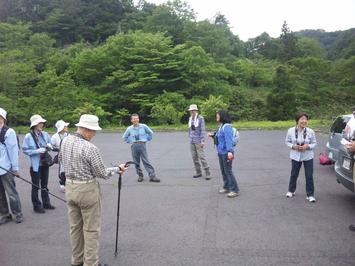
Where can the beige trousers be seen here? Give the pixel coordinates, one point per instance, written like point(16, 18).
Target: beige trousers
point(84, 211)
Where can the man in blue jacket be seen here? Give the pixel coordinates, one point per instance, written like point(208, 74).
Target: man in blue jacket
point(138, 135)
point(9, 152)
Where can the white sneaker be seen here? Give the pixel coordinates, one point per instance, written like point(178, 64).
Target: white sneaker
point(311, 199)
point(232, 194)
point(223, 190)
point(289, 194)
point(62, 188)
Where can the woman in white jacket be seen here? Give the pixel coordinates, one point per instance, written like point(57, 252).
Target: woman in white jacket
point(62, 132)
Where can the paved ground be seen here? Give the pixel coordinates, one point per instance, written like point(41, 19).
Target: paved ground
point(184, 221)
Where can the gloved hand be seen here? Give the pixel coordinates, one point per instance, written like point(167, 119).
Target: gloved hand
point(41, 150)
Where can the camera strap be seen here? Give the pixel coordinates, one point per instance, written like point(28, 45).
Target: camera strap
point(304, 135)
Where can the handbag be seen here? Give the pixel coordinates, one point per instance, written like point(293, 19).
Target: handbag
point(324, 159)
point(45, 158)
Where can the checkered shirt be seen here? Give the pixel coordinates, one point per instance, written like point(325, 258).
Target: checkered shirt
point(82, 160)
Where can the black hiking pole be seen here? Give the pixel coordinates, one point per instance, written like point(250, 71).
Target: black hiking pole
point(45, 189)
point(118, 204)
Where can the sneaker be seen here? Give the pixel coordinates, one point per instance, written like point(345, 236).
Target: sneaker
point(232, 194)
point(197, 175)
point(19, 218)
point(62, 188)
point(223, 190)
point(5, 219)
point(290, 194)
point(311, 199)
point(140, 178)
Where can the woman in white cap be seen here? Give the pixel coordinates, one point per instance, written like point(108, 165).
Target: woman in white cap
point(35, 144)
point(62, 132)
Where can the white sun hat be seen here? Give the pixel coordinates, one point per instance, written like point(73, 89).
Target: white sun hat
point(193, 107)
point(60, 125)
point(89, 121)
point(36, 119)
point(3, 113)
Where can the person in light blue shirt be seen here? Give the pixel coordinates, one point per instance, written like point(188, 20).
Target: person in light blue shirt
point(223, 138)
point(8, 160)
point(301, 140)
point(138, 135)
point(35, 144)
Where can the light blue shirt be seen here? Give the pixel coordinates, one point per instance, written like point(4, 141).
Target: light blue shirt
point(9, 152)
point(309, 139)
point(139, 133)
point(225, 139)
point(29, 148)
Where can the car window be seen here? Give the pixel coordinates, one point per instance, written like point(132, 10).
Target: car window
point(339, 124)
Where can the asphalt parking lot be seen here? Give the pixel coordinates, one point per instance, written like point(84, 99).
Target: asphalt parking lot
point(184, 221)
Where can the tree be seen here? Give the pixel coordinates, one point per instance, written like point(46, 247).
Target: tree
point(288, 40)
point(210, 106)
point(281, 102)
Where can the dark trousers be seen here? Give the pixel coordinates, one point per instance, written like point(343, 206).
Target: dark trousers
point(295, 170)
point(40, 179)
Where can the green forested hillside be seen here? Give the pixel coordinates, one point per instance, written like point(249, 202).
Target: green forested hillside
point(61, 58)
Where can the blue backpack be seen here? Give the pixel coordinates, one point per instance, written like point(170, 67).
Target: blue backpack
point(235, 134)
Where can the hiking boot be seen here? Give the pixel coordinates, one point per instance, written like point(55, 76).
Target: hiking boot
point(49, 207)
point(154, 179)
point(5, 219)
point(208, 174)
point(140, 178)
point(19, 218)
point(197, 175)
point(39, 210)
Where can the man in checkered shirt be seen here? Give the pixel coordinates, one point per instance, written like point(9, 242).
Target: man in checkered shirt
point(82, 165)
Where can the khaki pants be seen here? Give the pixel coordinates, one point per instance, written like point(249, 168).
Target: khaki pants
point(84, 211)
point(198, 155)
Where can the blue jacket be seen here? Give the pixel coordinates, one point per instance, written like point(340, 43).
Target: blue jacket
point(29, 148)
point(9, 152)
point(225, 139)
point(141, 133)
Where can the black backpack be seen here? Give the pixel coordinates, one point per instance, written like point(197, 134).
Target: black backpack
point(2, 136)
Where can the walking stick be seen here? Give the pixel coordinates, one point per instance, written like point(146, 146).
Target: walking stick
point(23, 179)
point(118, 205)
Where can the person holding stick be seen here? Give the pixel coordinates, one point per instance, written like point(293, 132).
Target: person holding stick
point(9, 152)
point(36, 145)
point(83, 164)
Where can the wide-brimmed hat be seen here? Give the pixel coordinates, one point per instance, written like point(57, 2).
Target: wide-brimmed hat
point(89, 122)
point(60, 125)
point(36, 119)
point(3, 113)
point(193, 107)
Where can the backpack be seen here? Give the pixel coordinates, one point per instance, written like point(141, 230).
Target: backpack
point(235, 134)
point(3, 131)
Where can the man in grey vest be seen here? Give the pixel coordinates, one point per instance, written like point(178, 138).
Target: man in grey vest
point(197, 134)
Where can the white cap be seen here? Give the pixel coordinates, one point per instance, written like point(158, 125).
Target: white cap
point(193, 107)
point(3, 113)
point(36, 119)
point(60, 125)
point(89, 121)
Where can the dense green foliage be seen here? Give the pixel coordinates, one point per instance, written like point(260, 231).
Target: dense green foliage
point(62, 58)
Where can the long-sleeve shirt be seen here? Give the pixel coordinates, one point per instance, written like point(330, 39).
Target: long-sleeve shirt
point(9, 152)
point(82, 160)
point(198, 135)
point(30, 148)
point(306, 138)
point(224, 137)
point(138, 133)
point(56, 140)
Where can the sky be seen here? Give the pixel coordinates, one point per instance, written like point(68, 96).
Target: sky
point(250, 18)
